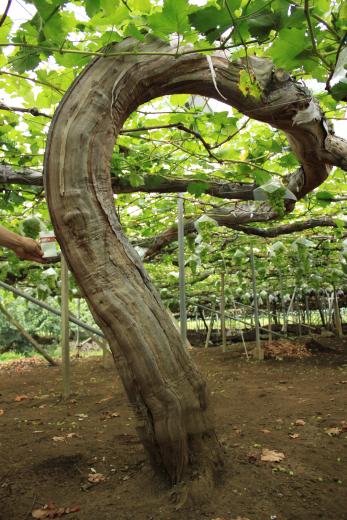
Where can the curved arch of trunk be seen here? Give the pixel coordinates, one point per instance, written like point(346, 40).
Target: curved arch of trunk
point(165, 388)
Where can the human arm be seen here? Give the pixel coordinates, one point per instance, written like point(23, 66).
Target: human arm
point(24, 247)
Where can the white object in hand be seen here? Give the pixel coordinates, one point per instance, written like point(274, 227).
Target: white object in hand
point(48, 244)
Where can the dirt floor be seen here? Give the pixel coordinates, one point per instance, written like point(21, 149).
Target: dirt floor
point(49, 450)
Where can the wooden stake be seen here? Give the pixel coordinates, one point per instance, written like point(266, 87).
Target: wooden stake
point(26, 335)
point(65, 345)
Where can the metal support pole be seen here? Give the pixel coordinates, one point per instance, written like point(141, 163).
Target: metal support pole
point(78, 317)
point(337, 315)
point(222, 311)
point(269, 317)
point(210, 327)
point(182, 289)
point(299, 314)
point(259, 350)
point(289, 310)
point(284, 326)
point(307, 306)
point(320, 310)
point(65, 346)
point(330, 309)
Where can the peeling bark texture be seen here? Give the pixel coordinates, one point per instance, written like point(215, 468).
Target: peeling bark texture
point(166, 390)
point(22, 176)
point(219, 189)
point(287, 229)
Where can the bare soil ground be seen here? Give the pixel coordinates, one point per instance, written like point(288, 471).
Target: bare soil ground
point(298, 408)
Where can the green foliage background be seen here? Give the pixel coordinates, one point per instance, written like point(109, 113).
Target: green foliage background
point(40, 57)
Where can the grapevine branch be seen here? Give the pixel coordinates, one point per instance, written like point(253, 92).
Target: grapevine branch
point(4, 16)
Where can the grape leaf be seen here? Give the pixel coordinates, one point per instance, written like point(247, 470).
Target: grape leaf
point(92, 7)
point(289, 44)
point(339, 91)
point(213, 21)
point(260, 26)
point(172, 19)
point(197, 188)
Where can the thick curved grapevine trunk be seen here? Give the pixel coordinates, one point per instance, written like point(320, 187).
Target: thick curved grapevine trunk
point(164, 387)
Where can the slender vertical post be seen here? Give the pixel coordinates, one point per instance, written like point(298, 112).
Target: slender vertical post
point(104, 354)
point(289, 310)
point(298, 306)
point(222, 311)
point(259, 350)
point(103, 344)
point(182, 289)
point(65, 346)
point(210, 326)
point(78, 346)
point(325, 307)
point(284, 326)
point(269, 317)
point(308, 314)
point(251, 319)
point(337, 315)
point(78, 317)
point(320, 310)
point(197, 324)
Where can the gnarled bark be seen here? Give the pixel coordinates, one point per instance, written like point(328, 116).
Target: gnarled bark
point(151, 184)
point(235, 220)
point(166, 390)
point(228, 217)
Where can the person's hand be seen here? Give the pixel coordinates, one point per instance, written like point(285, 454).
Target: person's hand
point(29, 249)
